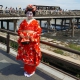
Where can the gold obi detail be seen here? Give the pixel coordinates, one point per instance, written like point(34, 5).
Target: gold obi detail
point(28, 31)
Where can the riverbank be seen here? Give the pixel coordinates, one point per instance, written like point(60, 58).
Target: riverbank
point(59, 38)
point(63, 36)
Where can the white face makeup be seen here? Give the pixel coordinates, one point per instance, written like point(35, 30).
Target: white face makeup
point(29, 14)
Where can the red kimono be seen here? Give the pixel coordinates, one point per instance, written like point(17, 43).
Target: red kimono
point(30, 53)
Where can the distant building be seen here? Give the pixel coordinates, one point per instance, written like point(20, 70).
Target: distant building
point(43, 7)
point(75, 10)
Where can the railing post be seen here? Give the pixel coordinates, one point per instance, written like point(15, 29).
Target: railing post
point(48, 25)
point(8, 48)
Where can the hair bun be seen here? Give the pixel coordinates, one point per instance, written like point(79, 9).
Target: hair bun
point(34, 8)
point(31, 8)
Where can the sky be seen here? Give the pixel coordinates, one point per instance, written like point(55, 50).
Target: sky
point(64, 4)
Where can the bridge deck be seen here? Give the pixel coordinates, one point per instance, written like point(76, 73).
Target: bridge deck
point(10, 68)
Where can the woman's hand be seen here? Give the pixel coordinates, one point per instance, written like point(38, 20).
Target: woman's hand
point(21, 35)
point(27, 38)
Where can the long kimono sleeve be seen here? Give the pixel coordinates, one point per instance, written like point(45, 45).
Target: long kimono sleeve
point(20, 29)
point(36, 34)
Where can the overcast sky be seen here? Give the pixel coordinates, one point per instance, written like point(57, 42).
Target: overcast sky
point(64, 4)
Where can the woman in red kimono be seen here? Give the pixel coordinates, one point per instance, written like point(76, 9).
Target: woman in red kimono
point(29, 42)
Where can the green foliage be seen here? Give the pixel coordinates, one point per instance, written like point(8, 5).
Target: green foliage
point(3, 40)
point(78, 75)
point(14, 45)
point(74, 46)
point(58, 51)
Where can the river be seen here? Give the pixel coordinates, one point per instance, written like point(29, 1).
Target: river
point(58, 21)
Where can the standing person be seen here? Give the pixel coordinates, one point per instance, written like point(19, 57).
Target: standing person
point(29, 42)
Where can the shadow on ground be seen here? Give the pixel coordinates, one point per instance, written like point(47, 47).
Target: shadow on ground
point(12, 67)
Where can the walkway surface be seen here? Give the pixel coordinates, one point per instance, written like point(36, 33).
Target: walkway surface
point(12, 69)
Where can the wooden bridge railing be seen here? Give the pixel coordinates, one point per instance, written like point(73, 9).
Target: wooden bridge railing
point(50, 44)
point(63, 63)
point(8, 38)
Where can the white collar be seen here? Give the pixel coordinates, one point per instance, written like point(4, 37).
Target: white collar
point(29, 20)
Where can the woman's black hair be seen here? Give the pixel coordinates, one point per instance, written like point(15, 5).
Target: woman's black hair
point(30, 9)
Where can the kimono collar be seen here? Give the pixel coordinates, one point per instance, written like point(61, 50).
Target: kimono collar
point(28, 21)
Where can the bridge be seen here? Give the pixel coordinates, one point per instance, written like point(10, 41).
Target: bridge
point(10, 68)
point(13, 69)
point(72, 17)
